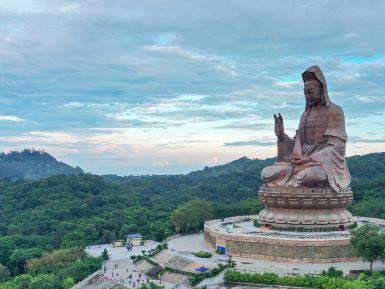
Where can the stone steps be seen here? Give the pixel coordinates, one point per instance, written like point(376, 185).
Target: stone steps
point(174, 278)
point(163, 257)
point(144, 266)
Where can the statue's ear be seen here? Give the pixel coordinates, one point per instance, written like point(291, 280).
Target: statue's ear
point(323, 98)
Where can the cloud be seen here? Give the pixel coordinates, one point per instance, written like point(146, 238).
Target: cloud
point(73, 104)
point(11, 118)
point(130, 122)
point(251, 143)
point(177, 51)
point(287, 84)
point(250, 125)
point(362, 140)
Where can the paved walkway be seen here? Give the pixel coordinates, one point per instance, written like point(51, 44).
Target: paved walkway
point(120, 252)
point(120, 266)
point(120, 270)
point(186, 246)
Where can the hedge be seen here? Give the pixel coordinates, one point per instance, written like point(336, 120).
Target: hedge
point(308, 281)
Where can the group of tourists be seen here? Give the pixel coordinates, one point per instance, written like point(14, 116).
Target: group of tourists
point(130, 280)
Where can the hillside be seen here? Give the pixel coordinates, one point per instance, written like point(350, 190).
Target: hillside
point(368, 166)
point(88, 209)
point(365, 166)
point(240, 177)
point(31, 164)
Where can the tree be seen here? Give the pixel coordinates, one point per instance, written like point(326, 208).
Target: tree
point(251, 206)
point(68, 283)
point(51, 262)
point(125, 230)
point(369, 243)
point(179, 219)
point(4, 273)
point(191, 215)
point(45, 282)
point(80, 269)
point(6, 248)
point(105, 255)
point(22, 281)
point(74, 239)
point(159, 230)
point(19, 258)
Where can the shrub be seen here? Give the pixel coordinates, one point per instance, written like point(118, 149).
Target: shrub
point(333, 272)
point(203, 254)
point(151, 285)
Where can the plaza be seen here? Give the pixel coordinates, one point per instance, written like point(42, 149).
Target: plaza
point(180, 255)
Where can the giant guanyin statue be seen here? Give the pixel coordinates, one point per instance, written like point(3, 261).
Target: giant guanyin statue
point(309, 183)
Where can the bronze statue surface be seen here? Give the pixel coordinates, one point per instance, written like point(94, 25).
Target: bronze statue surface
point(315, 157)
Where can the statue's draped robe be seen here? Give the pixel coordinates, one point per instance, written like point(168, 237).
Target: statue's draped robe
point(320, 136)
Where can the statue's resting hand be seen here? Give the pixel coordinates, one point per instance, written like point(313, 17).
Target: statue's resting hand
point(301, 163)
point(278, 126)
point(300, 160)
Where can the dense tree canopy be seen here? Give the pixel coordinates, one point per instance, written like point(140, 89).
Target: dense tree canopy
point(192, 215)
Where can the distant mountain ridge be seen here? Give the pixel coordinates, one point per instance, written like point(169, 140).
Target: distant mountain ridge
point(32, 164)
point(367, 166)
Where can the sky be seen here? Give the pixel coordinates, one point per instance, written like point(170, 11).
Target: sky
point(164, 87)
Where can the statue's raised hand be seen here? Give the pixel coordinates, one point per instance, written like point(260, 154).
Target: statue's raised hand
point(278, 126)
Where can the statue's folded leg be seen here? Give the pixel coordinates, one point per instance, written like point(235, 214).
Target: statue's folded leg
point(312, 177)
point(276, 174)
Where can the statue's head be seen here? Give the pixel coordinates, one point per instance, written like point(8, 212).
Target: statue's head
point(313, 89)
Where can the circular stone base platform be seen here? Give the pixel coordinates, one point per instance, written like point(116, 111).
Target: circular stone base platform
point(238, 236)
point(305, 209)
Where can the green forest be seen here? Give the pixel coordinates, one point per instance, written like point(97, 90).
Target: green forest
point(43, 223)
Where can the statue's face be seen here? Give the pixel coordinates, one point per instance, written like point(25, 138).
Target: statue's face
point(313, 92)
